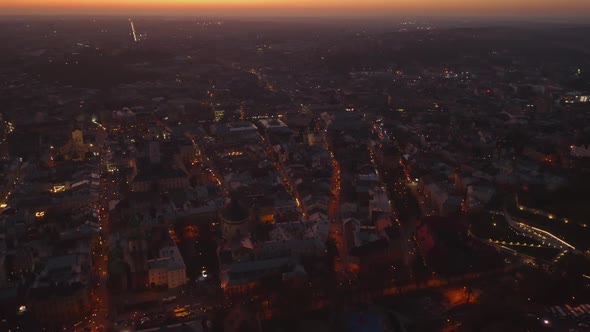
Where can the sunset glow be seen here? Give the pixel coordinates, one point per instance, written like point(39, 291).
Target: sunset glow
point(310, 7)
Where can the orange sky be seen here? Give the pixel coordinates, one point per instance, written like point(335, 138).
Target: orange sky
point(300, 7)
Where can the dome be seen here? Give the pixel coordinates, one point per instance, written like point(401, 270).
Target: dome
point(234, 211)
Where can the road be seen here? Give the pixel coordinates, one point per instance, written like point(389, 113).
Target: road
point(192, 301)
point(336, 226)
point(425, 210)
point(291, 188)
point(396, 186)
point(541, 235)
point(109, 190)
point(268, 85)
point(370, 293)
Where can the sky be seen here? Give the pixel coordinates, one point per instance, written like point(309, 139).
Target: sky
point(301, 7)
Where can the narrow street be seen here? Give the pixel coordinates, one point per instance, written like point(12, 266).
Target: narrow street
point(396, 186)
point(336, 226)
point(109, 190)
point(286, 181)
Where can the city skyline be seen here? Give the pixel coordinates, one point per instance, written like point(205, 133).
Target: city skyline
point(347, 8)
point(284, 165)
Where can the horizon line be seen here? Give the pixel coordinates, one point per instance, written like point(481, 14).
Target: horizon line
point(225, 15)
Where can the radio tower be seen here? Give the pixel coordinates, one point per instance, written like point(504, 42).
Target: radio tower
point(133, 31)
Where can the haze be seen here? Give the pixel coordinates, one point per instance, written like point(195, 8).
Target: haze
point(300, 7)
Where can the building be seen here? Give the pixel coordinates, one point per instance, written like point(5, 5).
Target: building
point(76, 147)
point(582, 151)
point(235, 220)
point(273, 124)
point(154, 152)
point(134, 263)
point(244, 264)
point(378, 203)
point(440, 199)
point(316, 137)
point(240, 319)
point(61, 292)
point(159, 176)
point(166, 272)
point(168, 269)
